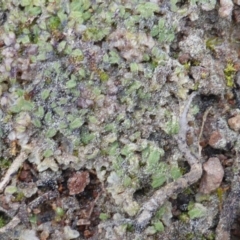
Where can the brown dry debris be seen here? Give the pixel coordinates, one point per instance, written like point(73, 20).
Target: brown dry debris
point(78, 182)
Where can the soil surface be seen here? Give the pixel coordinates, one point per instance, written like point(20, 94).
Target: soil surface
point(92, 129)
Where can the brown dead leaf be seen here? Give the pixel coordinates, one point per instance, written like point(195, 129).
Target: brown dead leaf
point(78, 182)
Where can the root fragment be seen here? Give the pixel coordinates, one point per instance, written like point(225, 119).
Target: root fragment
point(160, 196)
point(11, 225)
point(17, 163)
point(43, 198)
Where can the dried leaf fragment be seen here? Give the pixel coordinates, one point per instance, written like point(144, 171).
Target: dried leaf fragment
point(78, 182)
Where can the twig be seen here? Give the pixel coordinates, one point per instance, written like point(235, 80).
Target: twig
point(17, 163)
point(160, 196)
point(201, 131)
point(43, 198)
point(92, 205)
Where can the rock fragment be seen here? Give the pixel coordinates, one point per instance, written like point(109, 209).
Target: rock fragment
point(208, 5)
point(237, 77)
point(234, 123)
point(28, 234)
point(217, 141)
point(236, 16)
point(237, 2)
point(212, 177)
point(226, 7)
point(70, 233)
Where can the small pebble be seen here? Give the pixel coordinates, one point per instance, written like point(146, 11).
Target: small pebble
point(236, 2)
point(213, 175)
point(70, 233)
point(217, 141)
point(234, 123)
point(226, 8)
